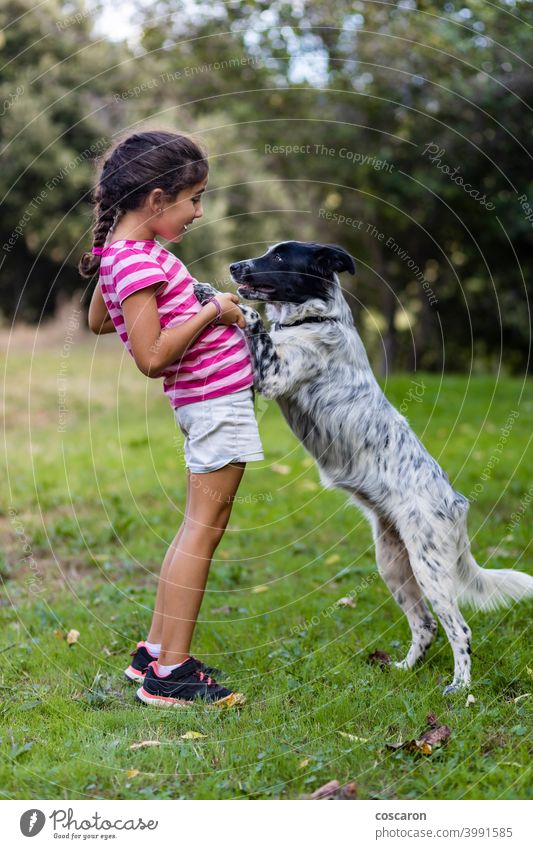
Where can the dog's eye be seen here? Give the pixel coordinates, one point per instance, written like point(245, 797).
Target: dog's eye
point(277, 258)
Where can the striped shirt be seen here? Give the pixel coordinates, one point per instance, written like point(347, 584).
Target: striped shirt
point(218, 361)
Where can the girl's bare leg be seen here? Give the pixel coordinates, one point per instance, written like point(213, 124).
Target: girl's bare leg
point(156, 628)
point(209, 504)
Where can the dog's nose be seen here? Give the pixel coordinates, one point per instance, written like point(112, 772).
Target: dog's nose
point(237, 266)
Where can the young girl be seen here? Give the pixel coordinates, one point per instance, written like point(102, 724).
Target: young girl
point(151, 186)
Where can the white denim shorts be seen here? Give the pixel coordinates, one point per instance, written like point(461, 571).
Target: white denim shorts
point(220, 431)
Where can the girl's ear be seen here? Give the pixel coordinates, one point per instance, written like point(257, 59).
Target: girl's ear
point(155, 200)
point(333, 258)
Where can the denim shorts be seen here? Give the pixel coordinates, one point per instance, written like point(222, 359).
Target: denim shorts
point(220, 431)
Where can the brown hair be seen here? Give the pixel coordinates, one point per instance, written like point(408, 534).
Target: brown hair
point(131, 170)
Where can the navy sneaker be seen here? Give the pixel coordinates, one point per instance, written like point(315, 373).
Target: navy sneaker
point(188, 684)
point(140, 663)
point(142, 660)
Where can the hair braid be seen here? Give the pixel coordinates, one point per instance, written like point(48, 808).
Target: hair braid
point(105, 213)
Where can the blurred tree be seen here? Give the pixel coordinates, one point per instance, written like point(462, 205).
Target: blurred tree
point(313, 114)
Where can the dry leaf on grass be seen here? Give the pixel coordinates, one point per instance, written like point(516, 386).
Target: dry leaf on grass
point(332, 559)
point(309, 486)
point(436, 736)
point(132, 773)
point(380, 658)
point(334, 790)
point(353, 737)
point(260, 589)
point(346, 601)
point(192, 735)
point(280, 469)
point(519, 698)
point(305, 762)
point(470, 700)
point(72, 636)
point(145, 744)
point(430, 739)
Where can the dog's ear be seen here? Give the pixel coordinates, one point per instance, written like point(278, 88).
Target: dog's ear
point(333, 258)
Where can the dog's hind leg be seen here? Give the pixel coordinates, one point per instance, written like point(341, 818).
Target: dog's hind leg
point(395, 569)
point(433, 554)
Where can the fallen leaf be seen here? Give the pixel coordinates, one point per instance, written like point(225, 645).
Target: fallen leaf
point(59, 634)
point(309, 486)
point(435, 736)
point(380, 658)
point(132, 773)
point(327, 790)
point(523, 696)
point(145, 744)
point(192, 735)
point(223, 553)
point(333, 790)
point(262, 588)
point(348, 791)
point(304, 763)
point(333, 558)
point(421, 746)
point(346, 601)
point(353, 737)
point(72, 636)
point(280, 469)
point(470, 700)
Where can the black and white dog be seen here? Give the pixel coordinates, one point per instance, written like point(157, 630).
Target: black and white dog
point(314, 364)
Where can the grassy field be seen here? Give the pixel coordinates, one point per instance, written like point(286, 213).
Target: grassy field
point(94, 493)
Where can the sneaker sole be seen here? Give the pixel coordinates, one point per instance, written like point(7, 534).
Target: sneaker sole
point(134, 675)
point(232, 700)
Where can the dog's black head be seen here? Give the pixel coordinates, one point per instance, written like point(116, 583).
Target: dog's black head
point(291, 272)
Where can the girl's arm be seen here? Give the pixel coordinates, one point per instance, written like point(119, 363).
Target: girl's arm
point(99, 318)
point(153, 348)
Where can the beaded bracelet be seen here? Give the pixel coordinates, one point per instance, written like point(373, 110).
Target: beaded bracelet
point(214, 301)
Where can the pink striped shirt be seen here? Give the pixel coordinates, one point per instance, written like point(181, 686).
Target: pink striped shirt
point(218, 361)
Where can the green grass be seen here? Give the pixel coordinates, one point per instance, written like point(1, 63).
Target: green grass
point(96, 506)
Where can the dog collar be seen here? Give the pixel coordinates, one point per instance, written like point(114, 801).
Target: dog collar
point(312, 318)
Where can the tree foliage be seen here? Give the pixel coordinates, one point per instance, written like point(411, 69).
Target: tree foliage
point(402, 131)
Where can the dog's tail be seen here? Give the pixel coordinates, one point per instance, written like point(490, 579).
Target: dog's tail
point(487, 589)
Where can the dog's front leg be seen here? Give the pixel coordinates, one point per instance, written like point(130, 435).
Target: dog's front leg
point(277, 372)
point(204, 291)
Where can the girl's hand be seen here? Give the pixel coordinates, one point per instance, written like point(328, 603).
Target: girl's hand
point(231, 313)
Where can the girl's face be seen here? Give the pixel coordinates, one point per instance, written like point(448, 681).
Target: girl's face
point(174, 216)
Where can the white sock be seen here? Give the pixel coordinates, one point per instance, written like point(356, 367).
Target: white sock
point(166, 670)
point(153, 648)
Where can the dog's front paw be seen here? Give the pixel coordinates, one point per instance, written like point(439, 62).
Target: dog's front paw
point(204, 291)
point(252, 316)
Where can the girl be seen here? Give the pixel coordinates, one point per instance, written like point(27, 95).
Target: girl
point(151, 185)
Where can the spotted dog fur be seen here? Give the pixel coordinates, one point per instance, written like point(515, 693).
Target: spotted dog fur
point(313, 363)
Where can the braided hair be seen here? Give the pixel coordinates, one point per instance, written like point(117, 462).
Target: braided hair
point(131, 170)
